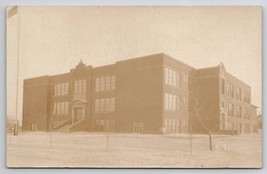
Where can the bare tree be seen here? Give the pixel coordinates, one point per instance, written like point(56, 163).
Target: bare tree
point(201, 109)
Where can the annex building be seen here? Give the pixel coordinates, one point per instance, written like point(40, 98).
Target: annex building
point(150, 94)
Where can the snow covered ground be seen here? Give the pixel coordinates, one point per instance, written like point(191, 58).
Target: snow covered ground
point(42, 149)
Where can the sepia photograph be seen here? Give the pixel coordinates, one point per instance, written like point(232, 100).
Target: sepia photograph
point(134, 87)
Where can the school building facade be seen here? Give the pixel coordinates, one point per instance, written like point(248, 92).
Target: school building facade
point(150, 94)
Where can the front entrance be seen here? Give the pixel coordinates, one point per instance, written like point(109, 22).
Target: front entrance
point(78, 114)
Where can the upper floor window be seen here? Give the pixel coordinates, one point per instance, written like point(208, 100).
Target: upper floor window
point(222, 105)
point(238, 111)
point(102, 84)
point(222, 86)
point(106, 83)
point(113, 82)
point(230, 90)
point(230, 109)
point(247, 97)
point(247, 113)
point(104, 105)
point(176, 79)
point(79, 86)
point(61, 89)
point(178, 103)
point(97, 84)
point(166, 76)
point(238, 93)
point(172, 102)
point(61, 108)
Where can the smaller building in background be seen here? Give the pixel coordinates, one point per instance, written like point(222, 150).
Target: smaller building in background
point(220, 102)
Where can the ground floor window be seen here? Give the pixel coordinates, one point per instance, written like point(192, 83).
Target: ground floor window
point(230, 125)
point(105, 125)
point(247, 129)
point(255, 128)
point(138, 127)
point(239, 128)
point(175, 125)
point(33, 127)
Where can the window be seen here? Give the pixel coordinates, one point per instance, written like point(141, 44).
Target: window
point(222, 86)
point(232, 90)
point(96, 105)
point(228, 90)
point(113, 82)
point(171, 77)
point(66, 108)
point(178, 102)
point(238, 111)
point(184, 100)
point(80, 86)
point(61, 89)
point(174, 78)
point(166, 101)
point(247, 128)
point(102, 105)
point(247, 97)
point(83, 84)
point(174, 103)
point(102, 84)
point(178, 82)
point(186, 80)
point(182, 79)
point(112, 104)
point(238, 93)
point(166, 76)
point(170, 102)
point(107, 83)
point(97, 84)
point(61, 108)
point(183, 76)
point(107, 104)
point(231, 109)
point(222, 104)
point(247, 113)
point(231, 126)
point(56, 90)
point(255, 128)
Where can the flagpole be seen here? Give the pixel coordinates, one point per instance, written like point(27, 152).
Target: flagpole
point(18, 54)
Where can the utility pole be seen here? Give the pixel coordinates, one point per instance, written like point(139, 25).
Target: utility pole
point(13, 11)
point(17, 121)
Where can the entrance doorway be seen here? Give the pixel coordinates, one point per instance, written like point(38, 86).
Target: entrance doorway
point(78, 114)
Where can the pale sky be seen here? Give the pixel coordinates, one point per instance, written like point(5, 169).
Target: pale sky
point(54, 39)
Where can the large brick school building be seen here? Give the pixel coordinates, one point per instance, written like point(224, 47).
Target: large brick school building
point(150, 94)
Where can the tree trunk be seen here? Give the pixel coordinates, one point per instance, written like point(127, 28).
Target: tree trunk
point(210, 138)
